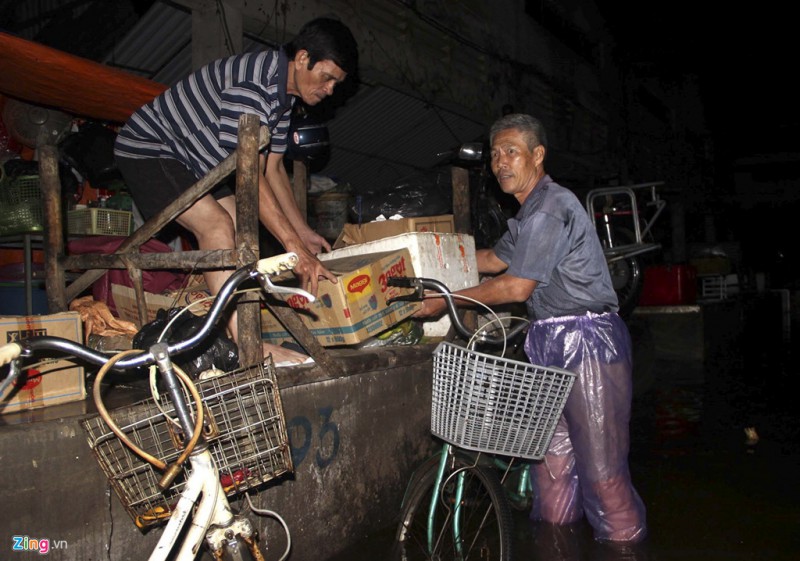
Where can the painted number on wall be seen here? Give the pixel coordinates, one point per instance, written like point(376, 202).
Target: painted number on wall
point(301, 438)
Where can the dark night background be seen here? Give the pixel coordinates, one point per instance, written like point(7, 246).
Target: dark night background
point(743, 61)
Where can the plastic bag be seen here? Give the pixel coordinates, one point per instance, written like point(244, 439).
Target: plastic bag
point(215, 351)
point(97, 319)
point(423, 194)
point(409, 332)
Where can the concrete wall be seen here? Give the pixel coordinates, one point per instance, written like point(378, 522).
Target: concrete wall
point(355, 441)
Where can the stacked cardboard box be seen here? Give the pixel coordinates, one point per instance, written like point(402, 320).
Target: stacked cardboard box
point(353, 234)
point(49, 382)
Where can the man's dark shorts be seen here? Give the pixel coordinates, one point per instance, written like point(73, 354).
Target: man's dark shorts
point(155, 182)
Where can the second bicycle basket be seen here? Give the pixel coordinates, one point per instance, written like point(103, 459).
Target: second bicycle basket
point(491, 404)
point(244, 427)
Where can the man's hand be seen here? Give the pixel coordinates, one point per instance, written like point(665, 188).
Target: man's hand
point(309, 270)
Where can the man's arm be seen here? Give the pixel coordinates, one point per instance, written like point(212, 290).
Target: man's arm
point(502, 289)
point(489, 263)
point(278, 179)
point(274, 217)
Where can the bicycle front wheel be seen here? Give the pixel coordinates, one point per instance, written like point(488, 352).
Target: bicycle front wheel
point(468, 519)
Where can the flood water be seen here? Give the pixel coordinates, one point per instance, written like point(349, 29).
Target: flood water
point(715, 454)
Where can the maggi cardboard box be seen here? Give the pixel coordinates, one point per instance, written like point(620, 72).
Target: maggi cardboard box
point(448, 258)
point(354, 308)
point(353, 234)
point(48, 382)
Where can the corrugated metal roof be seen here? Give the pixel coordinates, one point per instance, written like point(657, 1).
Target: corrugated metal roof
point(158, 47)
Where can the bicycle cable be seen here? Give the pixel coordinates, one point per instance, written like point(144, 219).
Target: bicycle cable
point(482, 329)
point(103, 412)
point(272, 513)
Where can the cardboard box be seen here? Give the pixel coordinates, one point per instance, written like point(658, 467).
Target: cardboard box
point(353, 234)
point(448, 258)
point(125, 301)
point(354, 309)
point(46, 383)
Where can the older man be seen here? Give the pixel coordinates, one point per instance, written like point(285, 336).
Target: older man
point(551, 259)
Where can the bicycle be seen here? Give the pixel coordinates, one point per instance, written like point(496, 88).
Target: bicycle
point(231, 431)
point(485, 408)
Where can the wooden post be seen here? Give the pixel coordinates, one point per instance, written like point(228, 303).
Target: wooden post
point(135, 274)
point(462, 217)
point(54, 231)
point(248, 307)
point(461, 207)
point(300, 186)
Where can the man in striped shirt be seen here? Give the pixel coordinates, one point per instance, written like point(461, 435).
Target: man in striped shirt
point(170, 143)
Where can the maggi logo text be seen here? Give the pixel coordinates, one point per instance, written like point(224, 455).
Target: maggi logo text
point(359, 284)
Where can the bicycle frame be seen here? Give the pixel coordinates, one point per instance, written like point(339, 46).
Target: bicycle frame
point(471, 392)
point(446, 458)
point(520, 492)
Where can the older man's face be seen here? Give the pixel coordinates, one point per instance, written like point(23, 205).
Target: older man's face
point(516, 167)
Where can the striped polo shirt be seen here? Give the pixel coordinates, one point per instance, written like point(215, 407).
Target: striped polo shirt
point(196, 120)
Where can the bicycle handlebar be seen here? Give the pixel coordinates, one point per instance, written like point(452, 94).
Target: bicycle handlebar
point(420, 284)
point(261, 270)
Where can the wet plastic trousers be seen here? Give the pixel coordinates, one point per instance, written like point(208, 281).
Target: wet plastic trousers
point(586, 469)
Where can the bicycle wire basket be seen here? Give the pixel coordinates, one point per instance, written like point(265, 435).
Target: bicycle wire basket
point(244, 427)
point(491, 404)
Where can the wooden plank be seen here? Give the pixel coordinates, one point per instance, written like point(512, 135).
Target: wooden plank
point(157, 222)
point(294, 325)
point(199, 260)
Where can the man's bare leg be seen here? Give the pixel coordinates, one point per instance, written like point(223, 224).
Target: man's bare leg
point(213, 225)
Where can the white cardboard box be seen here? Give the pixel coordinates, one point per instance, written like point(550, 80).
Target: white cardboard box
point(448, 258)
point(49, 382)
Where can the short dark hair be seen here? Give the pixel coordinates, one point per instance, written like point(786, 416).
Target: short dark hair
point(531, 128)
point(326, 39)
